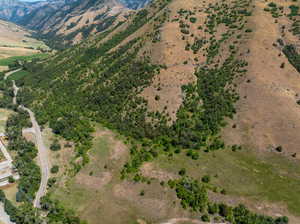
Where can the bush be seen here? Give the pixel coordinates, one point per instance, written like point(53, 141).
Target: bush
point(205, 218)
point(193, 19)
point(54, 169)
point(11, 179)
point(182, 172)
point(206, 179)
point(55, 146)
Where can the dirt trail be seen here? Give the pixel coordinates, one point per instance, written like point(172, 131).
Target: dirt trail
point(43, 157)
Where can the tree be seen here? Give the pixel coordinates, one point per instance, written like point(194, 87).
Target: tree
point(54, 169)
point(55, 146)
point(182, 172)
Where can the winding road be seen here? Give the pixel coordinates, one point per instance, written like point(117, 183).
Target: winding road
point(11, 72)
point(43, 157)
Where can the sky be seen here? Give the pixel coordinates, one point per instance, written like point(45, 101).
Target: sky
point(31, 0)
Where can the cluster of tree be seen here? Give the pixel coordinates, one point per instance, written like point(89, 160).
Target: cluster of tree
point(29, 172)
point(107, 101)
point(193, 195)
point(7, 94)
point(24, 214)
point(292, 55)
point(56, 213)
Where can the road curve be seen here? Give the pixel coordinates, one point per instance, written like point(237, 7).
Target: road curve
point(11, 72)
point(43, 157)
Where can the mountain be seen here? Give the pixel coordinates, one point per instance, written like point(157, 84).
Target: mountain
point(63, 22)
point(185, 110)
point(176, 112)
point(17, 41)
point(135, 4)
point(13, 10)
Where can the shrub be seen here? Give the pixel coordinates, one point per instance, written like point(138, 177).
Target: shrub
point(55, 146)
point(11, 179)
point(54, 169)
point(206, 179)
point(193, 19)
point(182, 172)
point(205, 218)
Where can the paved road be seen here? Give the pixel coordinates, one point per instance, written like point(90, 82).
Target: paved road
point(16, 89)
point(11, 72)
point(43, 157)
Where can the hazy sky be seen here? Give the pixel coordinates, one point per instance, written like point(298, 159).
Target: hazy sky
point(31, 0)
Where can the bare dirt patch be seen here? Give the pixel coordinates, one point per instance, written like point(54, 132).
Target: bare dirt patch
point(149, 170)
point(93, 182)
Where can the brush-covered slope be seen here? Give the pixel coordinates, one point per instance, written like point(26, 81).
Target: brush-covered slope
point(13, 10)
point(62, 22)
point(15, 40)
point(72, 21)
point(183, 80)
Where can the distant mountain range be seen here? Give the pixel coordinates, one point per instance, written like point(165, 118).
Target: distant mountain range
point(62, 22)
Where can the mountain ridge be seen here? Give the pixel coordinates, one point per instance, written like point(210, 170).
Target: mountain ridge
point(54, 19)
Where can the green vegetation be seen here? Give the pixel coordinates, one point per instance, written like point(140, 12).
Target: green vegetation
point(11, 60)
point(30, 176)
point(190, 193)
point(56, 213)
point(294, 10)
point(274, 10)
point(18, 75)
point(103, 81)
point(24, 214)
point(292, 55)
point(54, 169)
point(244, 174)
point(193, 195)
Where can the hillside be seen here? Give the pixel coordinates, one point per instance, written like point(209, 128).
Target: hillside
point(64, 22)
point(17, 41)
point(178, 114)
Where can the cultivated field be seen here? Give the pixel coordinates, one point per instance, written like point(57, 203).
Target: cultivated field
point(16, 41)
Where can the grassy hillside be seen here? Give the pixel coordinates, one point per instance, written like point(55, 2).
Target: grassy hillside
point(191, 87)
point(61, 24)
point(15, 40)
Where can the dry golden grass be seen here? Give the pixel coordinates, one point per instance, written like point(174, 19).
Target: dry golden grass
point(104, 196)
point(268, 115)
point(16, 41)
